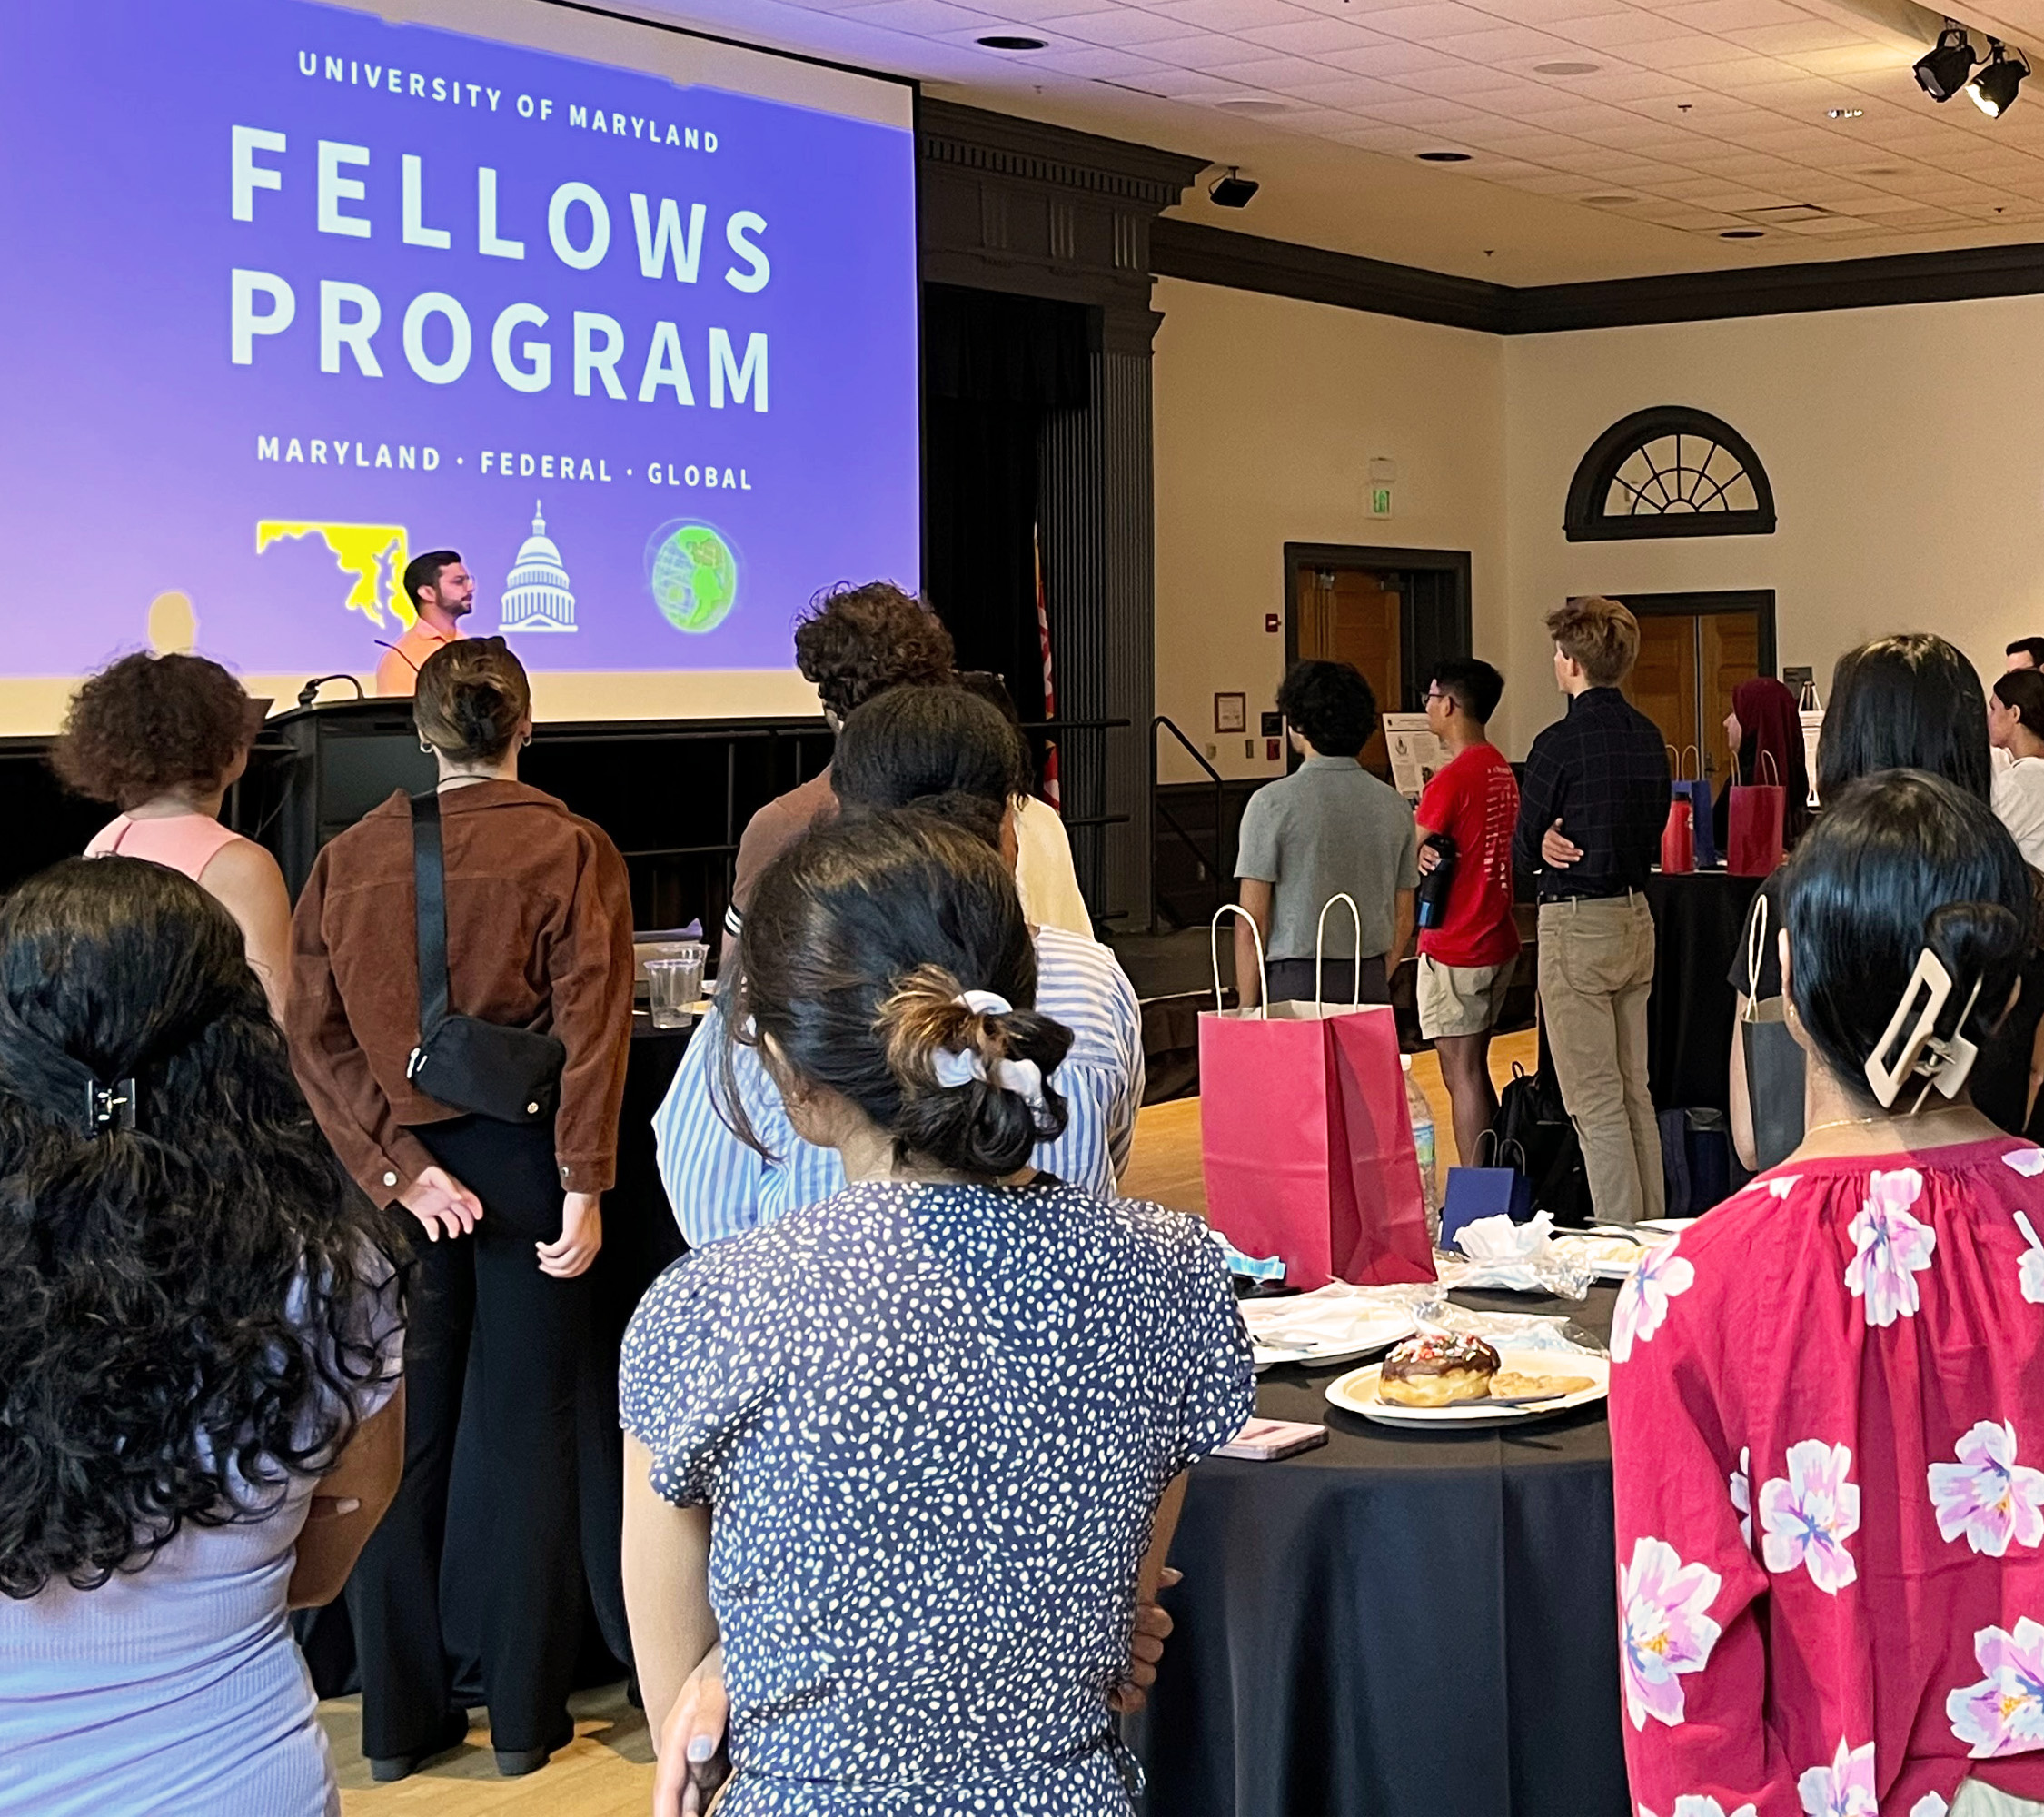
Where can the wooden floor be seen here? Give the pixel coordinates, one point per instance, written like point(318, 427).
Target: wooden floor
point(607, 1770)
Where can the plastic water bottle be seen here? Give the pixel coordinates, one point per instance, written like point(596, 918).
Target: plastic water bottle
point(1422, 1114)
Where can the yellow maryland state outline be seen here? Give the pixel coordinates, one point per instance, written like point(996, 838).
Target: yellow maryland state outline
point(369, 551)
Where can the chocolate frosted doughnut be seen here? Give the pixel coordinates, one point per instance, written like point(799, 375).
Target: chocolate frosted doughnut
point(1435, 1369)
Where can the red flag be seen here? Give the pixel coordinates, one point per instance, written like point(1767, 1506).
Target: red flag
point(1051, 793)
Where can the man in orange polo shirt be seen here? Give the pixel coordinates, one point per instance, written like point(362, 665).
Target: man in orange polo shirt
point(442, 593)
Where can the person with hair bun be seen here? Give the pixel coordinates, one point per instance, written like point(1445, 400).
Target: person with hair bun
point(953, 754)
point(538, 936)
point(900, 1466)
point(163, 738)
point(201, 1337)
point(1828, 1409)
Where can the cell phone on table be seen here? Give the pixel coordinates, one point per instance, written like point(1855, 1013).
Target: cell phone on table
point(1263, 1440)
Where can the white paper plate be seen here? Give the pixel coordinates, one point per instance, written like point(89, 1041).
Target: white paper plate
point(1356, 1392)
point(1668, 1227)
point(1362, 1339)
point(1611, 1258)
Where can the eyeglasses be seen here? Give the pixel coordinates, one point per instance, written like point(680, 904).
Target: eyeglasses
point(1435, 694)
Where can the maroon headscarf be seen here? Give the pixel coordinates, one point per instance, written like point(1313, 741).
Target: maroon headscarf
point(1769, 722)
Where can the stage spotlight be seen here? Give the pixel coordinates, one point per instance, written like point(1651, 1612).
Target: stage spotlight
point(1233, 190)
point(1941, 72)
point(1994, 88)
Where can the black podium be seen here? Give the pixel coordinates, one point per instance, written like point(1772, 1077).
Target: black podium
point(319, 769)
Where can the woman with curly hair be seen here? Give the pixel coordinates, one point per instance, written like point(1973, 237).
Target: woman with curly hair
point(198, 1335)
point(164, 738)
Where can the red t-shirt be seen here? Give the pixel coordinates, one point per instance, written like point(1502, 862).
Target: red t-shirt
point(1476, 801)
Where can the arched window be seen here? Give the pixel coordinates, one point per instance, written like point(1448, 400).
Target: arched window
point(1669, 471)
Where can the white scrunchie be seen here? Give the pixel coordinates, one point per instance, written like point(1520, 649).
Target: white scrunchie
point(955, 1067)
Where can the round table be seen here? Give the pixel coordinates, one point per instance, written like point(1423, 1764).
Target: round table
point(1396, 1623)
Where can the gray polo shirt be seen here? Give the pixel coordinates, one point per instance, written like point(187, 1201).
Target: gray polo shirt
point(1330, 827)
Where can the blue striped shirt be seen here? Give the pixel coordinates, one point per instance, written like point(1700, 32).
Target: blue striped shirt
point(719, 1186)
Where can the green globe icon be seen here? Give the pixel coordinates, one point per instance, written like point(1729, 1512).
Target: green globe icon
point(695, 576)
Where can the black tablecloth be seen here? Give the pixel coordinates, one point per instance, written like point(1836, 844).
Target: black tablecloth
point(1698, 920)
point(1396, 1625)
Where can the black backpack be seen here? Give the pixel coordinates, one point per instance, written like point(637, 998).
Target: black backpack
point(1530, 1113)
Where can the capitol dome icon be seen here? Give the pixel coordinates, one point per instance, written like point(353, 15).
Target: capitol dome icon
point(536, 595)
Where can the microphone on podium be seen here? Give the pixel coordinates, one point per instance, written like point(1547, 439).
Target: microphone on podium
point(311, 690)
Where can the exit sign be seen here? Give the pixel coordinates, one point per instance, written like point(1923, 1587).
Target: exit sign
point(1380, 501)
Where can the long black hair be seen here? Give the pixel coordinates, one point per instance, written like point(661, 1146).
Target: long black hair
point(1898, 862)
point(858, 944)
point(1909, 701)
point(187, 1305)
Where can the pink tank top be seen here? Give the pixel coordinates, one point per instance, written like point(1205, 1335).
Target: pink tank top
point(186, 842)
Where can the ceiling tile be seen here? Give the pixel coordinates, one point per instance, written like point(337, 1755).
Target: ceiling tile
point(1800, 35)
point(1204, 50)
point(1621, 31)
point(1428, 23)
point(1731, 15)
point(924, 18)
point(1304, 37)
point(1098, 64)
point(1118, 26)
point(1503, 43)
point(1280, 74)
point(1350, 91)
point(1389, 61)
point(1225, 15)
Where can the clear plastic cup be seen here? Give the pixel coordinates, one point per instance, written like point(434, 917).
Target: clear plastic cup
point(674, 986)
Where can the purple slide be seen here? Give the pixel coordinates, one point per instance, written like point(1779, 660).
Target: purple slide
point(289, 294)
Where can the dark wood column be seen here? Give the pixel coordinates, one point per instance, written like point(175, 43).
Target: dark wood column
point(1038, 211)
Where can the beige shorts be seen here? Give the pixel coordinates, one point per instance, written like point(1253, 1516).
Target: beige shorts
point(1461, 1000)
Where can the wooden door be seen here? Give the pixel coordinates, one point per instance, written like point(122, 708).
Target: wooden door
point(1662, 684)
point(1729, 644)
point(1353, 615)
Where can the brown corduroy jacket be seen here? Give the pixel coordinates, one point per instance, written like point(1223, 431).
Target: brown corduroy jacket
point(539, 936)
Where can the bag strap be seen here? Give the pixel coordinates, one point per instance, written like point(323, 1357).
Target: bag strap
point(1213, 944)
point(1503, 1151)
point(1489, 1136)
point(429, 876)
point(1767, 757)
point(1698, 750)
point(1320, 949)
point(1756, 949)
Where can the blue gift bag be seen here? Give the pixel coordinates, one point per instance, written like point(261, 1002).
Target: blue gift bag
point(1499, 1190)
point(1696, 791)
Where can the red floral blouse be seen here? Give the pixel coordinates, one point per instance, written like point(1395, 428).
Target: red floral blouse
point(1828, 1441)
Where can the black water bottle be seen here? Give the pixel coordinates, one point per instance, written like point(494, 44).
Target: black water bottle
point(1433, 895)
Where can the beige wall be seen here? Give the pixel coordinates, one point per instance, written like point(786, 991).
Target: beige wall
point(1905, 455)
point(1902, 444)
point(1268, 413)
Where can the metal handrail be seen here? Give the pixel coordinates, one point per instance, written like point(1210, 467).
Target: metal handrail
point(1212, 865)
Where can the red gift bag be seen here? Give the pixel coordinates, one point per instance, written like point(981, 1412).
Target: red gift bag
point(1306, 1139)
point(1678, 838)
point(1754, 839)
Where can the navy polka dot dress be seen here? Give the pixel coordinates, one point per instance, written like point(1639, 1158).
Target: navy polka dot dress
point(934, 1422)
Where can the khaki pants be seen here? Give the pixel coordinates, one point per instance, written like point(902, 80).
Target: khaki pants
point(1596, 971)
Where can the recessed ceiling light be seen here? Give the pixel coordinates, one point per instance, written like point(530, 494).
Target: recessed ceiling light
point(1254, 105)
point(1442, 157)
point(1845, 112)
point(1007, 41)
point(1566, 68)
point(1609, 201)
point(1742, 233)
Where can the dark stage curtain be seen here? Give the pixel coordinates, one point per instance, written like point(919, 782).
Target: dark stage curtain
point(993, 366)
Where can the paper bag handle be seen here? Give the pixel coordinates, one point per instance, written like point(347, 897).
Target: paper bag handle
point(1756, 947)
point(1214, 945)
point(1500, 1150)
point(1767, 758)
point(1320, 951)
point(1698, 750)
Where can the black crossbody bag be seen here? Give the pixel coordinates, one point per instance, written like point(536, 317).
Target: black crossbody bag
point(511, 1075)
